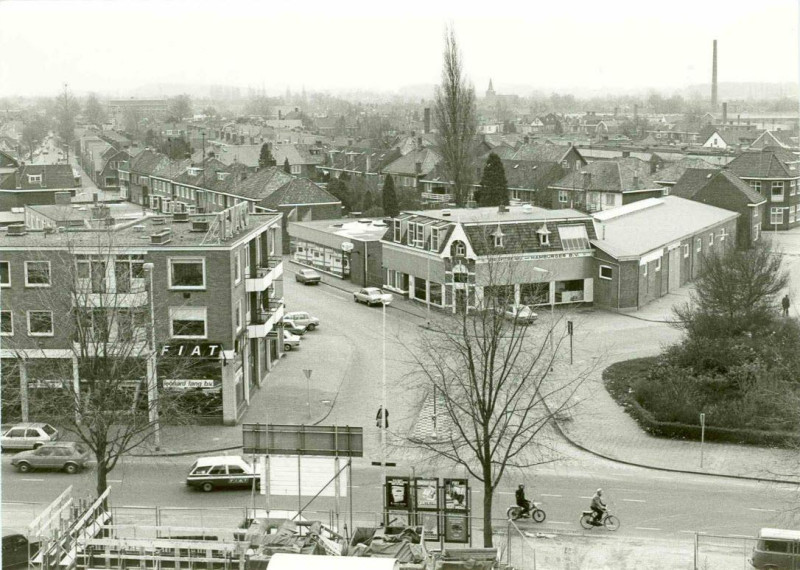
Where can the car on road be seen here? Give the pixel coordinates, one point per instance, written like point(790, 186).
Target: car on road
point(296, 329)
point(17, 549)
point(222, 472)
point(27, 436)
point(302, 318)
point(372, 296)
point(67, 455)
point(776, 549)
point(308, 277)
point(290, 341)
point(522, 314)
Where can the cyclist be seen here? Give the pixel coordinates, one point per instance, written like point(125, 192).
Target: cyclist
point(598, 507)
point(522, 501)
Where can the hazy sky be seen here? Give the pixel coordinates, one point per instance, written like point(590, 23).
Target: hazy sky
point(113, 46)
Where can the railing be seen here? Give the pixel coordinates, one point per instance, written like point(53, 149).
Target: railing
point(434, 197)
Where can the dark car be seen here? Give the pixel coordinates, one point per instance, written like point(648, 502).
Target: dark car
point(67, 455)
point(308, 277)
point(16, 550)
point(296, 329)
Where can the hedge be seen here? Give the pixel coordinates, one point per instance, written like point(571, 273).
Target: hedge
point(676, 430)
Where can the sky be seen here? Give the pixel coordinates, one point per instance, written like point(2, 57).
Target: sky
point(113, 47)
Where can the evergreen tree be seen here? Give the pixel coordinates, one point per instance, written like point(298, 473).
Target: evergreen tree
point(286, 168)
point(340, 191)
point(390, 207)
point(494, 188)
point(266, 159)
point(368, 201)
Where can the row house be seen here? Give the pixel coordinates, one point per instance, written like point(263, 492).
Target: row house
point(367, 163)
point(208, 289)
point(408, 170)
point(31, 184)
point(453, 259)
point(774, 173)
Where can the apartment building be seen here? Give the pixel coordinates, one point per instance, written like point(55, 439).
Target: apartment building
point(208, 287)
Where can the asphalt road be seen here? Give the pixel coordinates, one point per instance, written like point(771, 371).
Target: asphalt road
point(346, 356)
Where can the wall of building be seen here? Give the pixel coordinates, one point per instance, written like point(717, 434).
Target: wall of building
point(10, 199)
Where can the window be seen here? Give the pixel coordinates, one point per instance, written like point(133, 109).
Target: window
point(756, 231)
point(685, 250)
point(5, 274)
point(644, 269)
point(296, 169)
point(246, 254)
point(237, 267)
point(34, 178)
point(755, 213)
point(723, 233)
point(187, 273)
point(458, 249)
point(420, 236)
point(434, 239)
point(37, 274)
point(573, 237)
point(129, 273)
point(791, 214)
point(710, 239)
point(498, 236)
point(238, 315)
point(40, 323)
point(397, 233)
point(777, 191)
point(609, 198)
point(563, 196)
point(411, 235)
point(606, 272)
point(756, 185)
point(776, 216)
point(658, 264)
point(6, 323)
point(793, 188)
point(699, 243)
point(187, 322)
point(565, 165)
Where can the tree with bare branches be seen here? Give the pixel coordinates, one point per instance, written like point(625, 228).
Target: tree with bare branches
point(492, 375)
point(94, 303)
point(455, 118)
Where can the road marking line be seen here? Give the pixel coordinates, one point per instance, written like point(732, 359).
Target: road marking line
point(740, 535)
point(646, 528)
point(763, 510)
point(546, 495)
point(587, 497)
point(114, 480)
point(33, 480)
point(557, 522)
point(692, 532)
point(634, 500)
point(505, 492)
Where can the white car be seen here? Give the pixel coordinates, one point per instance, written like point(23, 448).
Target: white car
point(301, 318)
point(28, 436)
point(290, 341)
point(222, 472)
point(522, 314)
point(372, 296)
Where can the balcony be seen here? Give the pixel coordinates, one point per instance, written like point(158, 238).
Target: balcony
point(264, 321)
point(434, 197)
point(265, 275)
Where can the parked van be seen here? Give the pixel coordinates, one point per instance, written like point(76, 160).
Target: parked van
point(222, 472)
point(776, 549)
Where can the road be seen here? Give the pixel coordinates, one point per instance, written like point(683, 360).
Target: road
point(345, 354)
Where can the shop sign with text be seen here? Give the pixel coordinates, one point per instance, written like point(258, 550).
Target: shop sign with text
point(192, 349)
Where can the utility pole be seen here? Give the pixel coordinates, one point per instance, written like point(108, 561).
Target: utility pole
point(66, 112)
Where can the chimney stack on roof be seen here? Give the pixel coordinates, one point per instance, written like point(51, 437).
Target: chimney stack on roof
point(714, 79)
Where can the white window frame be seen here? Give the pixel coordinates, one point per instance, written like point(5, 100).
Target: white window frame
point(173, 260)
point(776, 184)
point(563, 197)
point(544, 239)
point(792, 187)
point(398, 233)
point(435, 239)
point(420, 235)
point(791, 214)
point(296, 168)
point(600, 273)
point(644, 265)
point(756, 184)
point(238, 322)
point(685, 250)
point(186, 314)
point(237, 267)
point(699, 242)
point(723, 233)
point(658, 264)
point(755, 213)
point(4, 285)
point(52, 324)
point(10, 319)
point(711, 239)
point(34, 178)
point(49, 275)
point(773, 212)
point(756, 231)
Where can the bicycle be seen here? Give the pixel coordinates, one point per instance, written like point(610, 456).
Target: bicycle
point(608, 520)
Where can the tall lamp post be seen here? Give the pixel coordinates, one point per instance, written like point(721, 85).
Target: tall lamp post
point(383, 395)
point(152, 376)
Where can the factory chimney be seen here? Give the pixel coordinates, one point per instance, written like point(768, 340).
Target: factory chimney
point(714, 80)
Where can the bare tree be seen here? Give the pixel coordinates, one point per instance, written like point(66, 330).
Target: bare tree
point(103, 393)
point(93, 110)
point(67, 108)
point(493, 377)
point(455, 117)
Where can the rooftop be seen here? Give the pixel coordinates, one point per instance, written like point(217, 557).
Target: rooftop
point(365, 229)
point(493, 215)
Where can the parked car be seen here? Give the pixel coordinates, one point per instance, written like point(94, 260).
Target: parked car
point(293, 328)
point(776, 549)
point(522, 314)
point(16, 549)
point(372, 296)
point(308, 277)
point(67, 455)
point(302, 318)
point(290, 341)
point(222, 472)
point(28, 436)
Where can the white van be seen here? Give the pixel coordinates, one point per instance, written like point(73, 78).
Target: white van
point(222, 472)
point(776, 549)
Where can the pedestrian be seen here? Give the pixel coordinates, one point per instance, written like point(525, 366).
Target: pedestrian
point(379, 415)
point(785, 304)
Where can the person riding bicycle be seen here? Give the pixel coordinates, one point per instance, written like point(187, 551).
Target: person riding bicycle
point(522, 501)
point(598, 507)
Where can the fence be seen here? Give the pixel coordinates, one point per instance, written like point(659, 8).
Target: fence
point(714, 552)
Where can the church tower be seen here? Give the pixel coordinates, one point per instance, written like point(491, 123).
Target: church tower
point(490, 91)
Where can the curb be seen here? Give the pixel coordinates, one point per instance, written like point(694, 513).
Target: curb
point(184, 453)
point(581, 447)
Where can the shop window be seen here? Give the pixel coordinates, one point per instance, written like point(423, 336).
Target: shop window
point(534, 293)
point(606, 272)
point(40, 323)
point(37, 274)
point(187, 273)
point(6, 323)
point(187, 322)
point(436, 293)
point(569, 291)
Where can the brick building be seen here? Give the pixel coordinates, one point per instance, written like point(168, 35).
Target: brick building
point(35, 184)
point(649, 248)
point(216, 284)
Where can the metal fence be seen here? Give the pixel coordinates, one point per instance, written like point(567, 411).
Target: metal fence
point(713, 552)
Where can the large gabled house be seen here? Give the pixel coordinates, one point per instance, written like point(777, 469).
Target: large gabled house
point(408, 170)
point(36, 184)
point(783, 139)
point(303, 158)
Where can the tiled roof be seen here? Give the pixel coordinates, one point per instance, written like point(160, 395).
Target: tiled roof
point(771, 162)
point(247, 154)
point(297, 154)
point(673, 172)
point(355, 159)
point(694, 180)
point(778, 138)
point(171, 169)
point(147, 161)
point(522, 237)
point(541, 152)
point(531, 175)
point(406, 165)
point(622, 175)
point(641, 227)
point(299, 191)
point(54, 176)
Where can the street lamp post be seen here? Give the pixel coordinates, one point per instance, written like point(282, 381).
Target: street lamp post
point(152, 377)
point(307, 372)
point(383, 395)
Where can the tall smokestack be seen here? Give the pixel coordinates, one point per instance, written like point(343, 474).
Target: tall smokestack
point(714, 79)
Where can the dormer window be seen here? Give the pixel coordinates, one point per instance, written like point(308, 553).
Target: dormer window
point(544, 235)
point(498, 236)
point(222, 175)
point(194, 171)
point(34, 178)
point(458, 249)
